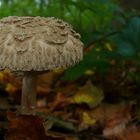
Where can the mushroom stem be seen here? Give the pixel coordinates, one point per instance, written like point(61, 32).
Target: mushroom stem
point(29, 89)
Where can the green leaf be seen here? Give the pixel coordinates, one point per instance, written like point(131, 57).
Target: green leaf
point(75, 71)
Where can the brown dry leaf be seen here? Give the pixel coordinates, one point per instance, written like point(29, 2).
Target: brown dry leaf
point(111, 117)
point(69, 89)
point(28, 127)
point(1, 76)
point(41, 103)
point(116, 123)
point(46, 78)
point(72, 138)
point(23, 127)
point(131, 132)
point(59, 101)
point(105, 112)
point(133, 136)
point(43, 90)
point(61, 136)
point(45, 81)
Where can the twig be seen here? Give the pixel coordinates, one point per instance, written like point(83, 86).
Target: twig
point(103, 37)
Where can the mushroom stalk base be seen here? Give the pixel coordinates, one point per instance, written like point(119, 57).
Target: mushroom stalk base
point(29, 89)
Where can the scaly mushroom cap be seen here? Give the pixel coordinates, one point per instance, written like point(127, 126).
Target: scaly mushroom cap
point(38, 44)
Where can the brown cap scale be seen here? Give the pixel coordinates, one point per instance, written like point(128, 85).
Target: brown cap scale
point(36, 44)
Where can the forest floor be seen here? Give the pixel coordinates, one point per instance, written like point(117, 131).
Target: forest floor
point(85, 109)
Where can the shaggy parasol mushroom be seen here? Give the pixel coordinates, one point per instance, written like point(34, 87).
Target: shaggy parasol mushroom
point(36, 44)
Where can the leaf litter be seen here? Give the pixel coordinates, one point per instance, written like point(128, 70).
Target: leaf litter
point(66, 111)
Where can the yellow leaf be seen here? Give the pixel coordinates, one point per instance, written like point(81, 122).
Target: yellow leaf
point(98, 49)
point(89, 72)
point(58, 70)
point(88, 94)
point(10, 88)
point(87, 119)
point(108, 46)
point(1, 76)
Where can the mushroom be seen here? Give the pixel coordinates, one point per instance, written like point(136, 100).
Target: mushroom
point(33, 45)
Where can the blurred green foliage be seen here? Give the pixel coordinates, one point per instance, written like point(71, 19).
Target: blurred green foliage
point(108, 32)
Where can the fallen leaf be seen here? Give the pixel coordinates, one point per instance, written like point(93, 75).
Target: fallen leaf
point(109, 47)
point(1, 76)
point(68, 89)
point(29, 127)
point(133, 136)
point(58, 124)
point(89, 72)
point(25, 127)
point(10, 88)
point(43, 90)
point(86, 121)
point(88, 94)
point(41, 103)
point(45, 82)
point(116, 124)
point(58, 70)
point(59, 101)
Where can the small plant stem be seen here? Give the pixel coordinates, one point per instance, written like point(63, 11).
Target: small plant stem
point(29, 89)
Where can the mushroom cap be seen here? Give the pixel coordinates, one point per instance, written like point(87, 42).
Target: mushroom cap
point(38, 44)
